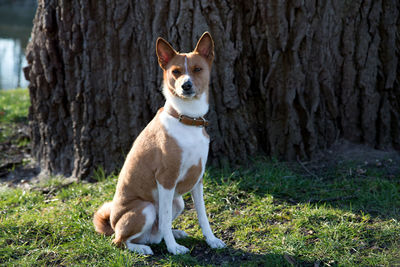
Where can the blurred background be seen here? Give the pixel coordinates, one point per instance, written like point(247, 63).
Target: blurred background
point(16, 18)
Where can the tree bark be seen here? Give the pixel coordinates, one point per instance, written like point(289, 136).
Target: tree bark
point(290, 77)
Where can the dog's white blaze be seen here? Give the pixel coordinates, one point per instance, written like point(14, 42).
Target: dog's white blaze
point(192, 108)
point(186, 66)
point(183, 79)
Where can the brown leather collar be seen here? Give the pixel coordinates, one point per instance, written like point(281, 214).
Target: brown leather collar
point(186, 119)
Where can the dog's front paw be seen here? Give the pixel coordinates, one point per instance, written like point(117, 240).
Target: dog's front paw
point(215, 243)
point(177, 249)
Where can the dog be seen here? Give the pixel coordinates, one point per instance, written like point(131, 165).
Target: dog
point(166, 160)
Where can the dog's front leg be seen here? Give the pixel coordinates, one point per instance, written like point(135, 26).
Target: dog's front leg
point(197, 195)
point(165, 220)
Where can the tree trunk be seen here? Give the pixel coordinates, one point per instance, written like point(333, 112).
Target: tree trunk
point(290, 77)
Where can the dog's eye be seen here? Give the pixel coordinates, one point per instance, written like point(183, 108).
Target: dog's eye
point(176, 71)
point(197, 69)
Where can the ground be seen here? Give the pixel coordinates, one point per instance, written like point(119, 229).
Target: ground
point(16, 164)
point(341, 208)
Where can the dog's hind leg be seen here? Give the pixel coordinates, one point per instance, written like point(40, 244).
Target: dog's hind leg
point(134, 225)
point(138, 248)
point(177, 207)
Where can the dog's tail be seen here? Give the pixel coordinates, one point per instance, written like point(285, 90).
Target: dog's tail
point(101, 219)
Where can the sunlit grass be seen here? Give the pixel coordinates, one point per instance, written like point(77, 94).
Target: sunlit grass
point(14, 105)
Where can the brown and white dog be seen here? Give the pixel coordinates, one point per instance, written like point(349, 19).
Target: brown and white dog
point(166, 160)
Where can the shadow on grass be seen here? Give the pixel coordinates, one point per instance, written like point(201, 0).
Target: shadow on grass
point(202, 254)
point(364, 188)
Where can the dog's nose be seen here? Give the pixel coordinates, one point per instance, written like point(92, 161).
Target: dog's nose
point(187, 86)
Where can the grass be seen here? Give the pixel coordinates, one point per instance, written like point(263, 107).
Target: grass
point(14, 106)
point(264, 214)
point(269, 214)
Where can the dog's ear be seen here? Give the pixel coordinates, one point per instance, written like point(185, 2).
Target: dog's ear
point(164, 51)
point(205, 47)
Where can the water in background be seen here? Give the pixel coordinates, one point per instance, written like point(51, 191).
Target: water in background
point(16, 18)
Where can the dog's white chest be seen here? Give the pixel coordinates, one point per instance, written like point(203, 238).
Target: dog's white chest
point(192, 141)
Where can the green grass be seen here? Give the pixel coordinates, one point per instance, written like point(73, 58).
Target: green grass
point(14, 105)
point(262, 213)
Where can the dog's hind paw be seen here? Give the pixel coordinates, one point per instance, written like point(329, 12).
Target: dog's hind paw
point(140, 249)
point(215, 243)
point(179, 234)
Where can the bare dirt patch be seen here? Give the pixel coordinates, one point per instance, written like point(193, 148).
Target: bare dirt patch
point(351, 158)
point(17, 167)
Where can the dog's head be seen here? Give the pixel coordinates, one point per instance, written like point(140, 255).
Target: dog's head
point(186, 75)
